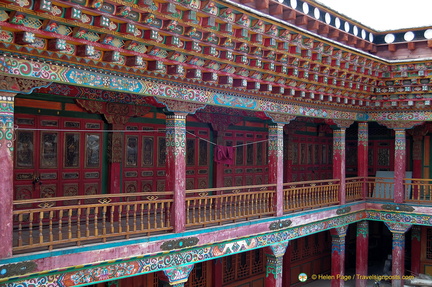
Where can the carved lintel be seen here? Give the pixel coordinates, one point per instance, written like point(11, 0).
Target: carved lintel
point(21, 85)
point(419, 132)
point(219, 123)
point(181, 106)
point(339, 231)
point(342, 124)
point(114, 113)
point(397, 125)
point(280, 118)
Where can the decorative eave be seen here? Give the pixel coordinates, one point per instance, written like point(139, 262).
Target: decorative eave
point(207, 44)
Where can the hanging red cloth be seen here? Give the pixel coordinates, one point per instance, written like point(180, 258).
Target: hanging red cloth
point(224, 154)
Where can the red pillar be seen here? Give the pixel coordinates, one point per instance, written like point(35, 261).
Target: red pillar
point(398, 251)
point(217, 273)
point(176, 167)
point(275, 147)
point(338, 255)
point(415, 249)
point(339, 161)
point(274, 266)
point(6, 182)
point(362, 249)
point(362, 154)
point(399, 165)
point(286, 268)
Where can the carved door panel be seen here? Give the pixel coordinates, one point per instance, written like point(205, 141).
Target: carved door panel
point(197, 158)
point(250, 158)
point(145, 158)
point(56, 157)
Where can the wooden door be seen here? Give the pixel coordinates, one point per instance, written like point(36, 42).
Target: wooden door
point(144, 167)
point(56, 156)
point(250, 158)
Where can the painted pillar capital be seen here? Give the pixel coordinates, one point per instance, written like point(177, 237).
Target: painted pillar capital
point(179, 275)
point(280, 118)
point(175, 106)
point(396, 227)
point(341, 124)
point(363, 229)
point(274, 266)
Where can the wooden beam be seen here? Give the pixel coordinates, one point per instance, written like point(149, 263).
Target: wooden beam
point(411, 46)
point(289, 15)
point(301, 20)
point(262, 4)
point(275, 9)
point(313, 25)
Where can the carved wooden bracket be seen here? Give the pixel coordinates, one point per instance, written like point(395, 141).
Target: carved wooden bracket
point(397, 125)
point(181, 106)
point(281, 118)
point(114, 113)
point(219, 123)
point(342, 124)
point(20, 85)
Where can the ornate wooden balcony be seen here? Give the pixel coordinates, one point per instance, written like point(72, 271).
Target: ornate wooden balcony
point(49, 223)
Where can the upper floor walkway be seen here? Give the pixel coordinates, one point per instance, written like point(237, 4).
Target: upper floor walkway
point(61, 222)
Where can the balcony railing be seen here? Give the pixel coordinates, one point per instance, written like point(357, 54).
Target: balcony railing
point(310, 194)
point(229, 204)
point(48, 223)
point(354, 188)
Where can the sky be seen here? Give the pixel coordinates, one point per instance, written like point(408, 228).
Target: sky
point(383, 15)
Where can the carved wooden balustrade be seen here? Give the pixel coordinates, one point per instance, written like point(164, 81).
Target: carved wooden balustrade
point(354, 188)
point(418, 190)
point(51, 222)
point(310, 194)
point(228, 204)
point(74, 220)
